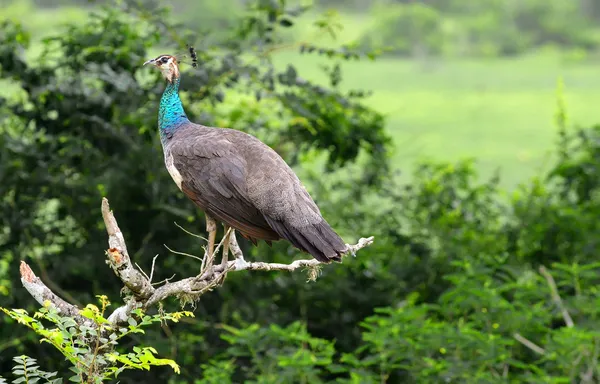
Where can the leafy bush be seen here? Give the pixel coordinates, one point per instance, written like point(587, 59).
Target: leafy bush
point(89, 348)
point(479, 305)
point(485, 28)
point(406, 29)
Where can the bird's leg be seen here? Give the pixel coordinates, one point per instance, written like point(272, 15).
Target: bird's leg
point(228, 230)
point(211, 228)
point(226, 240)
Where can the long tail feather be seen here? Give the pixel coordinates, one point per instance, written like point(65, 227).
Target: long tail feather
point(320, 240)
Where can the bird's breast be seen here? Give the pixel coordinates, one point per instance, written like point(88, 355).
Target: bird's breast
point(172, 170)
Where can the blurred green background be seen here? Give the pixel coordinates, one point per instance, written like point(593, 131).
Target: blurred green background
point(462, 134)
point(459, 79)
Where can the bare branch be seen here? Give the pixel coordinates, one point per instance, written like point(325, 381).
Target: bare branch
point(165, 280)
point(118, 257)
point(556, 297)
point(529, 344)
point(152, 269)
point(190, 233)
point(41, 293)
point(362, 243)
point(144, 294)
point(241, 264)
point(182, 253)
point(142, 271)
point(194, 285)
point(588, 376)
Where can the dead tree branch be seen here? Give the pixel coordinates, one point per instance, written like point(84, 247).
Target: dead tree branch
point(556, 297)
point(529, 344)
point(42, 294)
point(118, 257)
point(141, 292)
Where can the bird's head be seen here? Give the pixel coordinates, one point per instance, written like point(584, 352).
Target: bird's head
point(168, 66)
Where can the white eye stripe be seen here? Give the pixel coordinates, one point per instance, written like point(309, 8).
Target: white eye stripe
point(162, 60)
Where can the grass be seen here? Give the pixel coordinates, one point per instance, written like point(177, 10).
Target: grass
point(41, 23)
point(498, 111)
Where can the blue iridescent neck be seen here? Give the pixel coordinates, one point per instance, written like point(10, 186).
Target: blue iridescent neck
point(170, 112)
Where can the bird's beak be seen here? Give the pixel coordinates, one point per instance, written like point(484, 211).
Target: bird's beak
point(151, 61)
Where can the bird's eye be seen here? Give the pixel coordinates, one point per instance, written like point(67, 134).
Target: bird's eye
point(164, 59)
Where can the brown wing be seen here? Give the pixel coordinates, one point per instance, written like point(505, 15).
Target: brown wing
point(242, 182)
point(214, 177)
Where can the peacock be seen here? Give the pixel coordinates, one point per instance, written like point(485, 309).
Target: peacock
point(238, 180)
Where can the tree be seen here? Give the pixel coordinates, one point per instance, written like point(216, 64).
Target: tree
point(465, 283)
point(82, 125)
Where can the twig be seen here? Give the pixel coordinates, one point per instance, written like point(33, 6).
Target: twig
point(182, 253)
point(190, 233)
point(556, 297)
point(529, 344)
point(588, 376)
point(142, 271)
point(165, 280)
point(152, 270)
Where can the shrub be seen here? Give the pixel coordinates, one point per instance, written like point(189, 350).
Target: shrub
point(485, 28)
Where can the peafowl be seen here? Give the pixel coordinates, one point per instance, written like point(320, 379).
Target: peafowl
point(238, 180)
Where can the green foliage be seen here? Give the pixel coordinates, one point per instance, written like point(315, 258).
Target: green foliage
point(90, 348)
point(485, 28)
point(451, 291)
point(406, 29)
point(27, 371)
point(272, 355)
point(460, 312)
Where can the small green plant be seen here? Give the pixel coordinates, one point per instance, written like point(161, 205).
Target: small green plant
point(272, 354)
point(90, 346)
point(27, 371)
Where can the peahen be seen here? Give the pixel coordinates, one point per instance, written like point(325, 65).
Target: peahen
point(238, 180)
